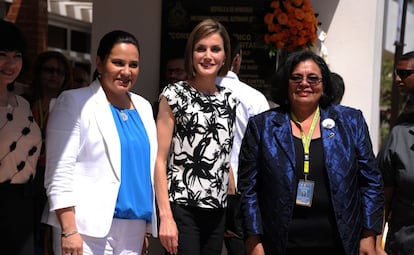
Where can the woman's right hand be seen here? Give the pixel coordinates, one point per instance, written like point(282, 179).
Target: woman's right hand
point(168, 235)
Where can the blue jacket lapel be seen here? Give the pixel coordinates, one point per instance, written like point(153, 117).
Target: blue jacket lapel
point(282, 133)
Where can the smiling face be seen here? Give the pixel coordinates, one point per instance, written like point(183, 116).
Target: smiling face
point(11, 63)
point(209, 55)
point(119, 70)
point(308, 90)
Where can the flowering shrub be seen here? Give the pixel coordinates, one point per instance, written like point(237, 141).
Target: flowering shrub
point(291, 25)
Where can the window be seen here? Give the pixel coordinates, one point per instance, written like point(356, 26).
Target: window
point(80, 41)
point(57, 37)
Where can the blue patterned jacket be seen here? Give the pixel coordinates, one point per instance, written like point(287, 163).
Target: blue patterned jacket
point(268, 185)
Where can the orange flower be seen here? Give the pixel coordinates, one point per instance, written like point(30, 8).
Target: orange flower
point(297, 3)
point(268, 18)
point(283, 19)
point(300, 14)
point(291, 25)
point(274, 4)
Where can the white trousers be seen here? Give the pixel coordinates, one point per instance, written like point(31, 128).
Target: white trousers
point(125, 237)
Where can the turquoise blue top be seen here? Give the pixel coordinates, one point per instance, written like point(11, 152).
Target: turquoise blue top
point(135, 193)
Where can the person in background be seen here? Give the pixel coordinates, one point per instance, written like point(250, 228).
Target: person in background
point(396, 161)
point(338, 86)
point(80, 77)
point(101, 148)
point(175, 70)
point(251, 103)
point(405, 83)
point(20, 144)
point(51, 74)
point(195, 134)
point(307, 172)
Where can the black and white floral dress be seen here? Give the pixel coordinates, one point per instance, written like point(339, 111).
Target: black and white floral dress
point(199, 160)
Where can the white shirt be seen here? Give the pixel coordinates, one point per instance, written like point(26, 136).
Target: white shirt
point(252, 102)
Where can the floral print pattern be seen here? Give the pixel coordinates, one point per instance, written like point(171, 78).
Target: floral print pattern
point(199, 160)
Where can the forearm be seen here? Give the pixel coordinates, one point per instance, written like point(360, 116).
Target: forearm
point(67, 219)
point(232, 183)
point(161, 191)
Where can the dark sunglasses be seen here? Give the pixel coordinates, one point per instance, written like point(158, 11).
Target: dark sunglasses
point(404, 73)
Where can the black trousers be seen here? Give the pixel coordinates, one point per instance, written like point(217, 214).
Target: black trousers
point(17, 217)
point(201, 231)
point(235, 246)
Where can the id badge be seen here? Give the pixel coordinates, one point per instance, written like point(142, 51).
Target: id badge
point(305, 193)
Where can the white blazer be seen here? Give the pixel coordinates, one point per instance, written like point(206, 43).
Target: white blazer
point(83, 158)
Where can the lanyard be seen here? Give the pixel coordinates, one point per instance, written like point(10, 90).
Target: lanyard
point(306, 140)
point(42, 116)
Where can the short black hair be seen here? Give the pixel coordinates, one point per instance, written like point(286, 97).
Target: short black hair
point(13, 39)
point(280, 81)
point(407, 56)
point(338, 87)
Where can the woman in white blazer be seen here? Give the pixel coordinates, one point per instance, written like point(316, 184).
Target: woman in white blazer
point(100, 154)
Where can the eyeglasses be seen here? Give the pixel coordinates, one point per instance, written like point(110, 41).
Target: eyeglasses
point(404, 73)
point(312, 80)
point(53, 70)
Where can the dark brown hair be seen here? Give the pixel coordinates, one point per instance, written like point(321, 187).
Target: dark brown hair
point(202, 30)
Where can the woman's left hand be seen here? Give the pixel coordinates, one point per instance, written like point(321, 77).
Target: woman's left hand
point(72, 245)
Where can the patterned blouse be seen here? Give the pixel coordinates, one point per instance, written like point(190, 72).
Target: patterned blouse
point(20, 143)
point(199, 160)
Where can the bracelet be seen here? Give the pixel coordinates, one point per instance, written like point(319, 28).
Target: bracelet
point(70, 233)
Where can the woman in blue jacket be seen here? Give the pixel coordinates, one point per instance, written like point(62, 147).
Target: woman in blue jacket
point(307, 173)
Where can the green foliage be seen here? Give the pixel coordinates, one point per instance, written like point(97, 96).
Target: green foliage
point(386, 97)
point(386, 82)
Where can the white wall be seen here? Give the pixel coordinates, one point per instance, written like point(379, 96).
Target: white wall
point(354, 42)
point(390, 29)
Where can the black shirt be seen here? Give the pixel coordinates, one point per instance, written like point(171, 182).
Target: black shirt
point(314, 227)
